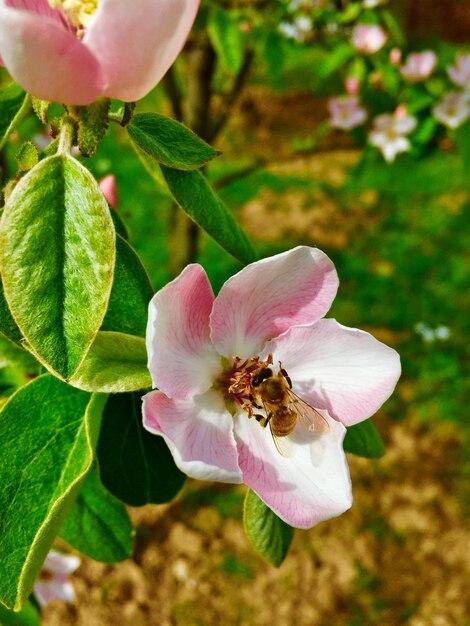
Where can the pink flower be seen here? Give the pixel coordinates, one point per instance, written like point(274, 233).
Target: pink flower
point(389, 130)
point(368, 38)
point(72, 51)
point(460, 73)
point(352, 85)
point(206, 355)
point(346, 112)
point(109, 190)
point(453, 109)
point(418, 66)
point(53, 582)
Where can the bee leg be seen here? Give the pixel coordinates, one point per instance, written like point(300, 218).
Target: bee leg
point(268, 418)
point(252, 400)
point(286, 376)
point(261, 420)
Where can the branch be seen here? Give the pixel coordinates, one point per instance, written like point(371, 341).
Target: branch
point(231, 96)
point(173, 92)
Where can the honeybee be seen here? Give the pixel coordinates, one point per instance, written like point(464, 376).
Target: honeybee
point(283, 408)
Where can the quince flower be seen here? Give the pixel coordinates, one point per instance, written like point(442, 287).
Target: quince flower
point(453, 109)
point(72, 51)
point(460, 73)
point(346, 112)
point(389, 130)
point(368, 38)
point(204, 355)
point(418, 66)
point(53, 582)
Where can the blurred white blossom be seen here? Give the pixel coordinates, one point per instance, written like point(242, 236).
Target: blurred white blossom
point(389, 133)
point(419, 66)
point(460, 72)
point(53, 581)
point(368, 38)
point(453, 109)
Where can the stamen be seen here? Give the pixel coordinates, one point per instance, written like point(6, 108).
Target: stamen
point(78, 12)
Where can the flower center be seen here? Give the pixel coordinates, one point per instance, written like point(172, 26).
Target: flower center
point(46, 576)
point(78, 12)
point(236, 382)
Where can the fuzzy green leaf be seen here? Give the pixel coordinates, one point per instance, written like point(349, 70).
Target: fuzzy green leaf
point(364, 439)
point(225, 35)
point(196, 197)
point(93, 125)
point(98, 525)
point(169, 142)
point(131, 293)
point(270, 536)
point(12, 99)
point(116, 362)
point(57, 254)
point(135, 465)
point(48, 432)
point(41, 108)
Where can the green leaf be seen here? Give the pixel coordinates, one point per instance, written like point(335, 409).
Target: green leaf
point(364, 439)
point(269, 535)
point(12, 354)
point(98, 525)
point(169, 142)
point(28, 616)
point(135, 465)
point(196, 197)
point(12, 100)
point(274, 54)
point(41, 107)
point(116, 362)
point(27, 156)
point(225, 35)
point(8, 325)
point(93, 125)
point(341, 54)
point(48, 432)
point(57, 259)
point(128, 304)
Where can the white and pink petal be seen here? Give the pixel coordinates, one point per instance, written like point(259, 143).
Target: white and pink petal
point(198, 432)
point(136, 42)
point(307, 487)
point(46, 58)
point(267, 297)
point(181, 360)
point(343, 370)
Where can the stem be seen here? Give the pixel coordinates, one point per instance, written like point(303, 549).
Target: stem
point(24, 109)
point(66, 135)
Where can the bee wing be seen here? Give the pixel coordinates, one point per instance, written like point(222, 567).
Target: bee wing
point(309, 418)
point(284, 445)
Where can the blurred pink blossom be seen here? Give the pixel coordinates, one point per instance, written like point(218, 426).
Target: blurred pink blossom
point(418, 66)
point(203, 352)
point(53, 582)
point(453, 109)
point(72, 51)
point(368, 38)
point(460, 72)
point(389, 133)
point(346, 112)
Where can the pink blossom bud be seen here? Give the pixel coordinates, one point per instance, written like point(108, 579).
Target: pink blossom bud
point(109, 188)
point(352, 85)
point(395, 56)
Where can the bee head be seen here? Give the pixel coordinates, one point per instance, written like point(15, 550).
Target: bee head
point(261, 376)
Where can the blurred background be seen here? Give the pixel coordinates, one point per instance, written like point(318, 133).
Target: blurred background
point(255, 79)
